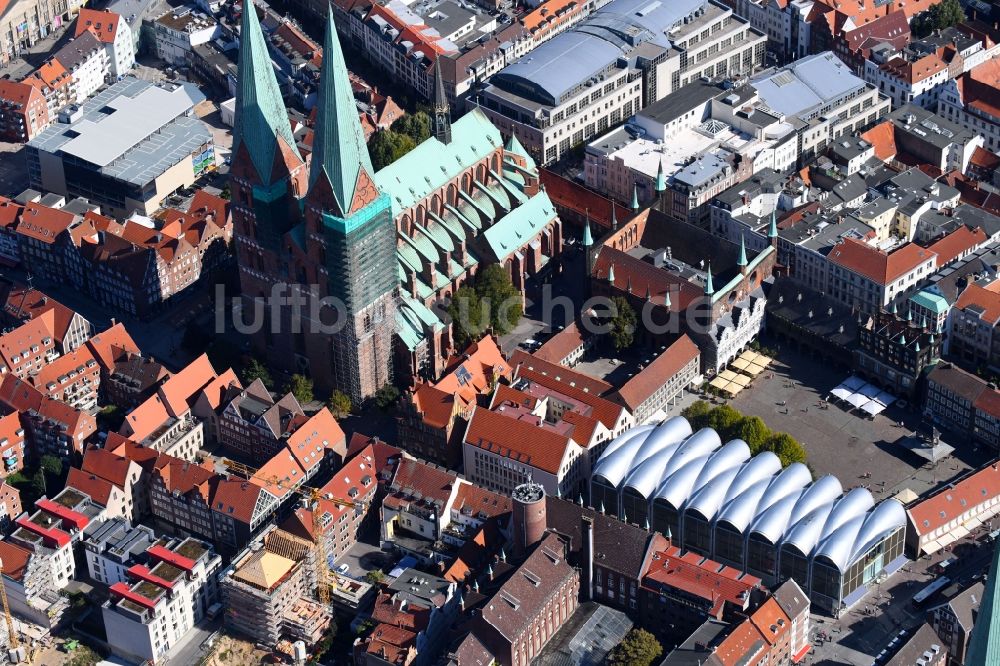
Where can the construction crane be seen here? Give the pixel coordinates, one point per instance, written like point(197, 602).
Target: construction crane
point(320, 565)
point(14, 643)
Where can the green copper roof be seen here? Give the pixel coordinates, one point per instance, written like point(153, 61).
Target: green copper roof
point(772, 231)
point(984, 646)
point(742, 261)
point(339, 150)
point(709, 286)
point(661, 178)
point(260, 112)
point(588, 239)
point(930, 301)
point(517, 227)
point(635, 197)
point(432, 164)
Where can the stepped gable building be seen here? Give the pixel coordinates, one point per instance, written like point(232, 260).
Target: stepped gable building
point(325, 222)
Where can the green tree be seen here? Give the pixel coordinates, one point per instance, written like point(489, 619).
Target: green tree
point(255, 370)
point(623, 322)
point(786, 448)
point(52, 465)
point(753, 431)
point(322, 647)
point(725, 420)
point(386, 396)
point(375, 576)
point(940, 16)
point(110, 417)
point(417, 126)
point(39, 487)
point(340, 404)
point(498, 293)
point(466, 312)
point(638, 648)
point(387, 146)
point(697, 414)
point(301, 387)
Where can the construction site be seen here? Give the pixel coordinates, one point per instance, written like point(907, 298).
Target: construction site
point(269, 591)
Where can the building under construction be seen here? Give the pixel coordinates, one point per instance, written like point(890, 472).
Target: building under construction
point(269, 591)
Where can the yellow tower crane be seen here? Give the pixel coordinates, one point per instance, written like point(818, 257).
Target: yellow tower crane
point(320, 564)
point(14, 642)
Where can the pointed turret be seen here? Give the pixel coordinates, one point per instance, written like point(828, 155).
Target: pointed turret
point(742, 261)
point(442, 110)
point(666, 299)
point(772, 230)
point(661, 179)
point(709, 285)
point(340, 161)
point(984, 645)
point(611, 279)
point(614, 216)
point(261, 119)
point(635, 198)
point(588, 238)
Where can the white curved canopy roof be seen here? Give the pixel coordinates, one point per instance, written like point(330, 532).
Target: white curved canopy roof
point(677, 487)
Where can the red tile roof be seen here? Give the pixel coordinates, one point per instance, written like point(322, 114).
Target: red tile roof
point(58, 372)
point(19, 395)
point(474, 372)
point(26, 336)
point(105, 345)
point(43, 223)
point(18, 93)
point(472, 498)
point(27, 303)
point(517, 440)
point(988, 402)
point(560, 345)
point(183, 386)
point(701, 577)
point(648, 380)
point(15, 560)
point(988, 300)
point(97, 488)
point(436, 407)
point(744, 646)
point(104, 24)
point(878, 266)
point(534, 367)
point(565, 193)
point(883, 138)
point(772, 622)
point(235, 497)
point(109, 466)
point(431, 482)
point(957, 244)
point(314, 438)
point(938, 510)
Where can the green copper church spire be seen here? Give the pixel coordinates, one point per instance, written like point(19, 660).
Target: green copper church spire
point(635, 198)
point(261, 117)
point(588, 238)
point(340, 155)
point(742, 261)
point(984, 646)
point(709, 286)
point(772, 231)
point(661, 178)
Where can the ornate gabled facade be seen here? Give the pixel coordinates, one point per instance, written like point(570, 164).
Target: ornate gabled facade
point(325, 224)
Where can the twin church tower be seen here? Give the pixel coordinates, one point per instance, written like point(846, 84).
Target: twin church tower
point(315, 237)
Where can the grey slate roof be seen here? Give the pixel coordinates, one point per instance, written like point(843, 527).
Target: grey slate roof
point(556, 67)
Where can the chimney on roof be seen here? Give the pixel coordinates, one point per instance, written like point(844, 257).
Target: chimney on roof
point(587, 557)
